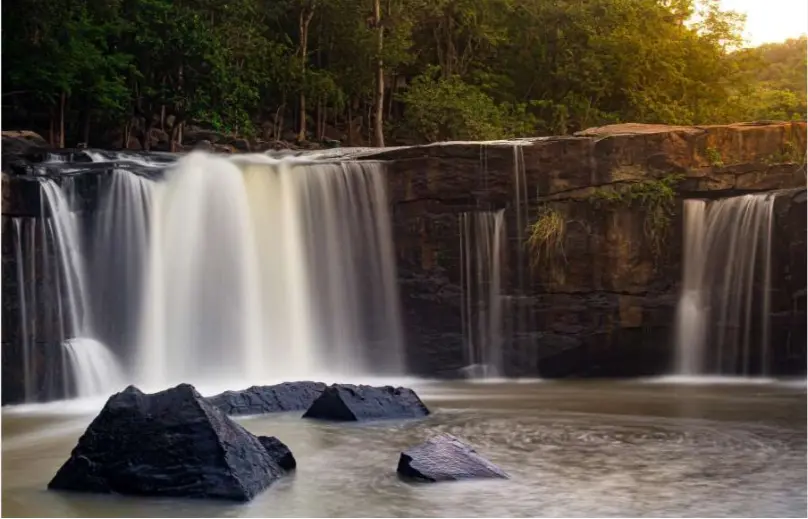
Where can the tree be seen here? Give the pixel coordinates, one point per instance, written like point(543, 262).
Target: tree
point(381, 71)
point(378, 102)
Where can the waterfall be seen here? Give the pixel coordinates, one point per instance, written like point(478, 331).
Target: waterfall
point(23, 249)
point(522, 324)
point(482, 240)
point(262, 269)
point(118, 255)
point(94, 369)
point(63, 227)
point(209, 270)
point(723, 312)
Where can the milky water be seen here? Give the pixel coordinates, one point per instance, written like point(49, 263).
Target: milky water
point(722, 322)
point(95, 369)
point(585, 449)
point(261, 268)
point(212, 269)
point(482, 240)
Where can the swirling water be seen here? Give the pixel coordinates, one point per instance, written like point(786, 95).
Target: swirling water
point(575, 449)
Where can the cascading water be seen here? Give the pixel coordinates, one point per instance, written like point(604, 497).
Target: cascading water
point(63, 227)
point(118, 253)
point(521, 322)
point(95, 370)
point(264, 269)
point(723, 312)
point(23, 249)
point(482, 240)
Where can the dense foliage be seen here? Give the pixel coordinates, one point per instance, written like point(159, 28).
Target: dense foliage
point(410, 70)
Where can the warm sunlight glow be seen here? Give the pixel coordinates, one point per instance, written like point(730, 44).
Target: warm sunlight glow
point(771, 20)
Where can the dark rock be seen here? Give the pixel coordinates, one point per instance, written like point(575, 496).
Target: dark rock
point(170, 443)
point(194, 135)
point(608, 307)
point(289, 396)
point(159, 140)
point(21, 139)
point(279, 452)
point(241, 145)
point(260, 145)
point(282, 145)
point(204, 145)
point(224, 148)
point(309, 145)
point(445, 458)
point(349, 403)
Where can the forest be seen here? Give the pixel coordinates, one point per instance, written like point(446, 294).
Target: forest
point(383, 72)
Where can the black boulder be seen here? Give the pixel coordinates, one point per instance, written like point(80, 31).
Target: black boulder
point(348, 403)
point(445, 458)
point(171, 443)
point(289, 396)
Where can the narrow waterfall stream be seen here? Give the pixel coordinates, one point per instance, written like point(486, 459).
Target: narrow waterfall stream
point(722, 325)
point(482, 241)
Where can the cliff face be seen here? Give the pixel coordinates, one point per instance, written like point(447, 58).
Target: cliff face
point(599, 301)
point(602, 302)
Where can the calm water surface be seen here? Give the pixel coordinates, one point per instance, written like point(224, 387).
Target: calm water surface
point(572, 449)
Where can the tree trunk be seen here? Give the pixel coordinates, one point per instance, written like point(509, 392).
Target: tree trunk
point(127, 133)
point(86, 133)
point(52, 132)
point(369, 119)
point(350, 122)
point(390, 99)
point(378, 102)
point(450, 49)
point(306, 14)
point(277, 125)
point(176, 135)
point(147, 126)
point(318, 118)
point(63, 99)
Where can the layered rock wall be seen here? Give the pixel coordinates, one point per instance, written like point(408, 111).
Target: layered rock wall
point(602, 303)
point(605, 305)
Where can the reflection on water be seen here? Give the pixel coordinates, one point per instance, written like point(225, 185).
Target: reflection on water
point(572, 449)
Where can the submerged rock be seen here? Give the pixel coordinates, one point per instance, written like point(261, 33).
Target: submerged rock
point(445, 458)
point(171, 443)
point(289, 396)
point(349, 403)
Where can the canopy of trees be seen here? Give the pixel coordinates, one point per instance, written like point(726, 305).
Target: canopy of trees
point(385, 71)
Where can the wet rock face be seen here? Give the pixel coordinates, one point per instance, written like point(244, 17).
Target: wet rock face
point(607, 305)
point(170, 443)
point(445, 458)
point(288, 396)
point(349, 403)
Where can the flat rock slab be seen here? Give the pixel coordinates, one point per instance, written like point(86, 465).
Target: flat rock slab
point(445, 458)
point(349, 403)
point(289, 396)
point(171, 443)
